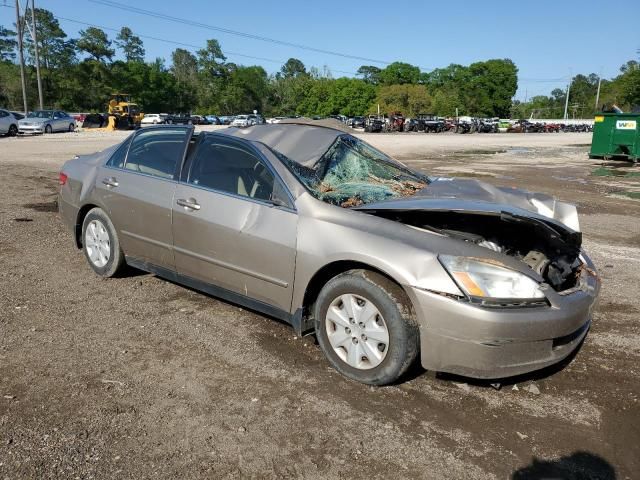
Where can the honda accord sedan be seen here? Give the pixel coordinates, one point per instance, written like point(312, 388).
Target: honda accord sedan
point(315, 227)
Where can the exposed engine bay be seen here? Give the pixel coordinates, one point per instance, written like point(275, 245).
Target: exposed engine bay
point(551, 252)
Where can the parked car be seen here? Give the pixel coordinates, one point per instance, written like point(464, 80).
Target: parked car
point(152, 119)
point(46, 121)
point(373, 123)
point(199, 120)
point(213, 120)
point(8, 123)
point(227, 119)
point(179, 119)
point(430, 123)
point(319, 229)
point(17, 115)
point(244, 121)
point(357, 122)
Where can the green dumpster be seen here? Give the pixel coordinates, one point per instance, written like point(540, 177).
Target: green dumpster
point(616, 135)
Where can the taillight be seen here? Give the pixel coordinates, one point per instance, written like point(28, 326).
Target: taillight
point(62, 177)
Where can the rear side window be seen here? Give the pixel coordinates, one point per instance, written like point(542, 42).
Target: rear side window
point(157, 152)
point(118, 157)
point(232, 168)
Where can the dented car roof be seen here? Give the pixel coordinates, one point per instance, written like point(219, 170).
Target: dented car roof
point(302, 143)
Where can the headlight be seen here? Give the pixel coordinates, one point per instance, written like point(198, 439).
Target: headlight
point(485, 280)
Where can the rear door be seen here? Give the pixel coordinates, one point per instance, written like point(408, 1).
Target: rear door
point(5, 121)
point(59, 123)
point(234, 223)
point(137, 186)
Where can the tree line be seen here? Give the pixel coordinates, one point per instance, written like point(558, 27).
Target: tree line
point(79, 74)
point(622, 90)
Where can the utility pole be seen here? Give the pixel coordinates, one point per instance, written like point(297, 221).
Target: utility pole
point(598, 92)
point(34, 36)
point(21, 55)
point(566, 100)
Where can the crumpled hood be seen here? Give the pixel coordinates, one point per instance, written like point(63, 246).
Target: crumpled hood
point(456, 194)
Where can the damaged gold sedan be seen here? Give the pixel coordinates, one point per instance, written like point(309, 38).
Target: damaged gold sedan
point(319, 229)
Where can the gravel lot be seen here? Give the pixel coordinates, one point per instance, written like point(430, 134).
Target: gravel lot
point(140, 378)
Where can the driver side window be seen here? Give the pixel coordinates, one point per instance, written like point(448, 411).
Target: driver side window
point(231, 168)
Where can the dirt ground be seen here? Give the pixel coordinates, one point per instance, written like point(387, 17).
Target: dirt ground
point(137, 377)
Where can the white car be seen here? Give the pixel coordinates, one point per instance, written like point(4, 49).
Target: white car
point(244, 121)
point(8, 123)
point(152, 119)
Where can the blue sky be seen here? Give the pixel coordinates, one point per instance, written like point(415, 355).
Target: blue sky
point(546, 39)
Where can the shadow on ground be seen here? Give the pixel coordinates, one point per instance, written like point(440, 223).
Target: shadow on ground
point(577, 466)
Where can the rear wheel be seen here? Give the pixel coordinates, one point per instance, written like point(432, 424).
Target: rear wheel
point(13, 131)
point(72, 127)
point(366, 327)
point(100, 244)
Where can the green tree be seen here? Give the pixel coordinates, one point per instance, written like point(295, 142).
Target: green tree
point(408, 99)
point(185, 72)
point(630, 86)
point(54, 50)
point(211, 59)
point(7, 44)
point(131, 45)
point(292, 68)
point(370, 74)
point(490, 87)
point(399, 73)
point(245, 91)
point(94, 42)
point(349, 96)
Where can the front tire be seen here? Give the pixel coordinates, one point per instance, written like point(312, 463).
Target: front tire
point(366, 327)
point(100, 244)
point(13, 131)
point(48, 129)
point(72, 127)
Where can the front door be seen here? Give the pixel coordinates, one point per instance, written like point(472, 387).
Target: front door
point(228, 231)
point(137, 187)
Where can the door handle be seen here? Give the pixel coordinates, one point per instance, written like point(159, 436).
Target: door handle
point(110, 182)
point(191, 203)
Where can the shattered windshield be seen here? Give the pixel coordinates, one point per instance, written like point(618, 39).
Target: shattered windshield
point(353, 173)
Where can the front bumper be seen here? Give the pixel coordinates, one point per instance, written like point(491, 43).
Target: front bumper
point(31, 128)
point(465, 339)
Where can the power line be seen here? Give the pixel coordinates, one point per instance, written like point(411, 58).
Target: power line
point(194, 23)
point(164, 40)
point(183, 44)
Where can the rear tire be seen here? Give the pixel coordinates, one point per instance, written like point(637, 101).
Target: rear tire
point(72, 127)
point(100, 244)
point(13, 131)
point(377, 320)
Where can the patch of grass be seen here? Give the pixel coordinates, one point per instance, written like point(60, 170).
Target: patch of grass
point(608, 172)
point(634, 195)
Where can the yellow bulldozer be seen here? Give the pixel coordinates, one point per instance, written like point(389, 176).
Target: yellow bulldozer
point(122, 114)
